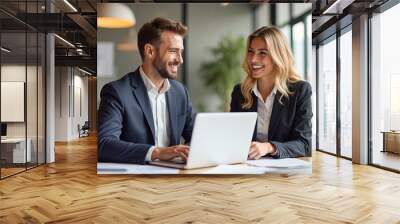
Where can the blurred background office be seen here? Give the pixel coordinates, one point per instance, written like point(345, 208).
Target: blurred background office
point(216, 37)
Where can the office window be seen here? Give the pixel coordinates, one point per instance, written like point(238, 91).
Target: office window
point(283, 13)
point(327, 96)
point(346, 94)
point(385, 89)
point(295, 23)
point(286, 31)
point(298, 47)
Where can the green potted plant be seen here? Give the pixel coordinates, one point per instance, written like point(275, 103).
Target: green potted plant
point(225, 69)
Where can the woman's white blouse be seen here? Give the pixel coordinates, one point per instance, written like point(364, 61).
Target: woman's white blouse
point(264, 110)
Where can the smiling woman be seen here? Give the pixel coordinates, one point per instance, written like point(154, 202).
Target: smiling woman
point(274, 90)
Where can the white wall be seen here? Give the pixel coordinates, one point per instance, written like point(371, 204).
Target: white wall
point(67, 117)
point(15, 72)
point(61, 103)
point(80, 82)
point(33, 126)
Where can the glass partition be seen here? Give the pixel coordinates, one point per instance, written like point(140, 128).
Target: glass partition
point(22, 88)
point(14, 153)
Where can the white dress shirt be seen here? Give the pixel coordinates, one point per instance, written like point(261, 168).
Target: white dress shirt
point(160, 112)
point(264, 110)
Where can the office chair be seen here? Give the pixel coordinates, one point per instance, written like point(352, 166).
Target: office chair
point(84, 130)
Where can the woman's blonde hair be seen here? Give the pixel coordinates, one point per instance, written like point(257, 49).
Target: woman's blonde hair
point(282, 60)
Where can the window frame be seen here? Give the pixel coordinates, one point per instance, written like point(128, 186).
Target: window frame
point(292, 21)
point(335, 36)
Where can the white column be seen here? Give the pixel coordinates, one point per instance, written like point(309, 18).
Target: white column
point(360, 90)
point(50, 99)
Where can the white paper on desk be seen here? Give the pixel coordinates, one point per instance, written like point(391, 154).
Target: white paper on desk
point(279, 163)
point(122, 168)
point(236, 169)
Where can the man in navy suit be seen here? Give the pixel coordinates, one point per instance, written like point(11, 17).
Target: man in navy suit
point(143, 115)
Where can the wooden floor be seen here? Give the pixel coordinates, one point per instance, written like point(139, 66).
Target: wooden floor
point(386, 159)
point(70, 191)
point(5, 172)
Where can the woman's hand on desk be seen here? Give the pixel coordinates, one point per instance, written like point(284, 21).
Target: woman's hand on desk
point(259, 149)
point(168, 153)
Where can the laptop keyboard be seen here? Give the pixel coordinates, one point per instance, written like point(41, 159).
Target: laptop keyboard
point(178, 160)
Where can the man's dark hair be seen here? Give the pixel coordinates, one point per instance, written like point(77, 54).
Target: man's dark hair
point(151, 32)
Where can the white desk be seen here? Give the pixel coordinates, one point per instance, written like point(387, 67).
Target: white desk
point(302, 165)
point(16, 146)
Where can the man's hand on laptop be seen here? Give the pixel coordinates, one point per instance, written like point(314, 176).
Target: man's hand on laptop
point(259, 149)
point(168, 153)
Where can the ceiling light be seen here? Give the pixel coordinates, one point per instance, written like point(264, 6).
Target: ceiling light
point(65, 41)
point(5, 50)
point(70, 5)
point(114, 15)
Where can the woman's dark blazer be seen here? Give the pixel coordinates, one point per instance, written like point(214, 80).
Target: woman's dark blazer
point(290, 125)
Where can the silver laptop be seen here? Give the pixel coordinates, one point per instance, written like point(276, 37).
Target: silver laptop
point(217, 138)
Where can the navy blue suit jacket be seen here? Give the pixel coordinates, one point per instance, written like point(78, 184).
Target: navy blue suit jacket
point(290, 124)
point(125, 120)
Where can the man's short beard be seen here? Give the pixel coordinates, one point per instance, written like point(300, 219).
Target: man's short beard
point(157, 64)
point(163, 72)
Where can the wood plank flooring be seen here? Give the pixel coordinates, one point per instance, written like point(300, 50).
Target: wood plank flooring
point(70, 191)
point(387, 159)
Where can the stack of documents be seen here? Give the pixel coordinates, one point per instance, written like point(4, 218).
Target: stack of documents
point(236, 169)
point(119, 168)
